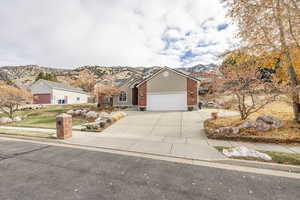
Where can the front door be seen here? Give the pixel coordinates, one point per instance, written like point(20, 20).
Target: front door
point(134, 96)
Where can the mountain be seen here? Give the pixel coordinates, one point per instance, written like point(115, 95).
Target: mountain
point(200, 68)
point(26, 75)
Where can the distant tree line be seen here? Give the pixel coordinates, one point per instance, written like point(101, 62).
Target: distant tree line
point(46, 76)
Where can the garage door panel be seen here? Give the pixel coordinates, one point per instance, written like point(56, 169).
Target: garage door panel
point(42, 98)
point(168, 101)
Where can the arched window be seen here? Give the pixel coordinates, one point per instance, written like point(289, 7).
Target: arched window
point(122, 96)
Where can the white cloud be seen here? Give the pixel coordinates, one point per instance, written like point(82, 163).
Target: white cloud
point(72, 33)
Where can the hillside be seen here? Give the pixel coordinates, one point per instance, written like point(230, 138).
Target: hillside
point(25, 75)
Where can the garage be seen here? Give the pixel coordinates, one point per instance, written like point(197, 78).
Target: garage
point(168, 101)
point(42, 99)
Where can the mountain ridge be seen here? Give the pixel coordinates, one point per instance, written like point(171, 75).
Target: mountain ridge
point(26, 74)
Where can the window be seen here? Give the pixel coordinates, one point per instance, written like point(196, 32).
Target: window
point(106, 100)
point(122, 96)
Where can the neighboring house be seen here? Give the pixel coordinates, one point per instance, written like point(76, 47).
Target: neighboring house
point(165, 90)
point(48, 92)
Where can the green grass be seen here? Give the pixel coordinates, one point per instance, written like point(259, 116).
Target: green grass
point(45, 117)
point(284, 158)
point(27, 133)
point(277, 157)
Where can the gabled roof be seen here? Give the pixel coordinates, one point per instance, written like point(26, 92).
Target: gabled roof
point(167, 68)
point(60, 86)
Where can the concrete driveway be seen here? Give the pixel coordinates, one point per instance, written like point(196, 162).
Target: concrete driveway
point(176, 134)
point(165, 124)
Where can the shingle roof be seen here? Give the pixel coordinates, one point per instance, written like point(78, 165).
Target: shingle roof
point(62, 86)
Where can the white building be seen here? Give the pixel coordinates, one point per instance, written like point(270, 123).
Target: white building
point(48, 92)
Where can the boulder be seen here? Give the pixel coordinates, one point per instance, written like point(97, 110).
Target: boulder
point(5, 120)
point(262, 126)
point(70, 112)
point(98, 119)
point(248, 124)
point(242, 151)
point(91, 114)
point(228, 130)
point(77, 112)
point(92, 126)
point(17, 118)
point(274, 122)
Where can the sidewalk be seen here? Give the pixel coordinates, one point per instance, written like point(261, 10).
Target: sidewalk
point(180, 147)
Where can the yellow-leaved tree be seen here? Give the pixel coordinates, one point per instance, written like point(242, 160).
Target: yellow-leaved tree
point(271, 26)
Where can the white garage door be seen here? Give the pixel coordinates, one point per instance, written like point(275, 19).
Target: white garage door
point(164, 102)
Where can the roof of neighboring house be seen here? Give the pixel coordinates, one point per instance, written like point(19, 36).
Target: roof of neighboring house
point(205, 79)
point(167, 68)
point(60, 86)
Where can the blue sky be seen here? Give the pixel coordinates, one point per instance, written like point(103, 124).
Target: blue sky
point(72, 33)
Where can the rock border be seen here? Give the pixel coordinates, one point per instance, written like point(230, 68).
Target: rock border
point(212, 133)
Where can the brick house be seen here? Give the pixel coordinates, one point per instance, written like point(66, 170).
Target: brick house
point(166, 90)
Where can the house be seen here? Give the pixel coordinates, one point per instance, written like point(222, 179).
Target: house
point(165, 90)
point(48, 92)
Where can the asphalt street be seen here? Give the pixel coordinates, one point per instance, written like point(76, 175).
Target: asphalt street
point(30, 171)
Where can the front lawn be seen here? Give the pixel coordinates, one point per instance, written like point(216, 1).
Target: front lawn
point(45, 117)
point(289, 133)
point(27, 133)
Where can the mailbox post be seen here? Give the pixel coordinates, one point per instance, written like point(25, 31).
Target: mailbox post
point(64, 126)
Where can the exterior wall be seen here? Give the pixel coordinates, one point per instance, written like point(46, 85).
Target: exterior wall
point(142, 94)
point(171, 83)
point(42, 98)
point(128, 90)
point(71, 96)
point(192, 92)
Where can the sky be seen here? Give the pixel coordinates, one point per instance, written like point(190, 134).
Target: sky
point(73, 33)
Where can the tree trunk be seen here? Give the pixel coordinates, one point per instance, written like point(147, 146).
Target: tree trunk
point(290, 68)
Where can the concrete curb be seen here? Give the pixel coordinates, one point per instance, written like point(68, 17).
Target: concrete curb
point(253, 166)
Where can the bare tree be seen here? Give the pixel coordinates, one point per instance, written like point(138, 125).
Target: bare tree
point(242, 80)
point(12, 98)
point(270, 25)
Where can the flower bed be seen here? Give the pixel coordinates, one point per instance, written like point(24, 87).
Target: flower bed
point(97, 120)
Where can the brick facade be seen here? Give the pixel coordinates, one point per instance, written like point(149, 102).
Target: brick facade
point(64, 126)
point(143, 94)
point(101, 101)
point(191, 92)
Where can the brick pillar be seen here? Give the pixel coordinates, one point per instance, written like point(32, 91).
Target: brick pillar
point(143, 94)
point(191, 92)
point(63, 126)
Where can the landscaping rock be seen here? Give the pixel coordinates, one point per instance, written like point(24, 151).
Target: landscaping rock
point(248, 124)
point(104, 114)
point(262, 123)
point(245, 152)
point(5, 120)
point(262, 126)
point(91, 114)
point(228, 130)
point(70, 112)
point(270, 120)
point(77, 112)
point(17, 118)
point(98, 119)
